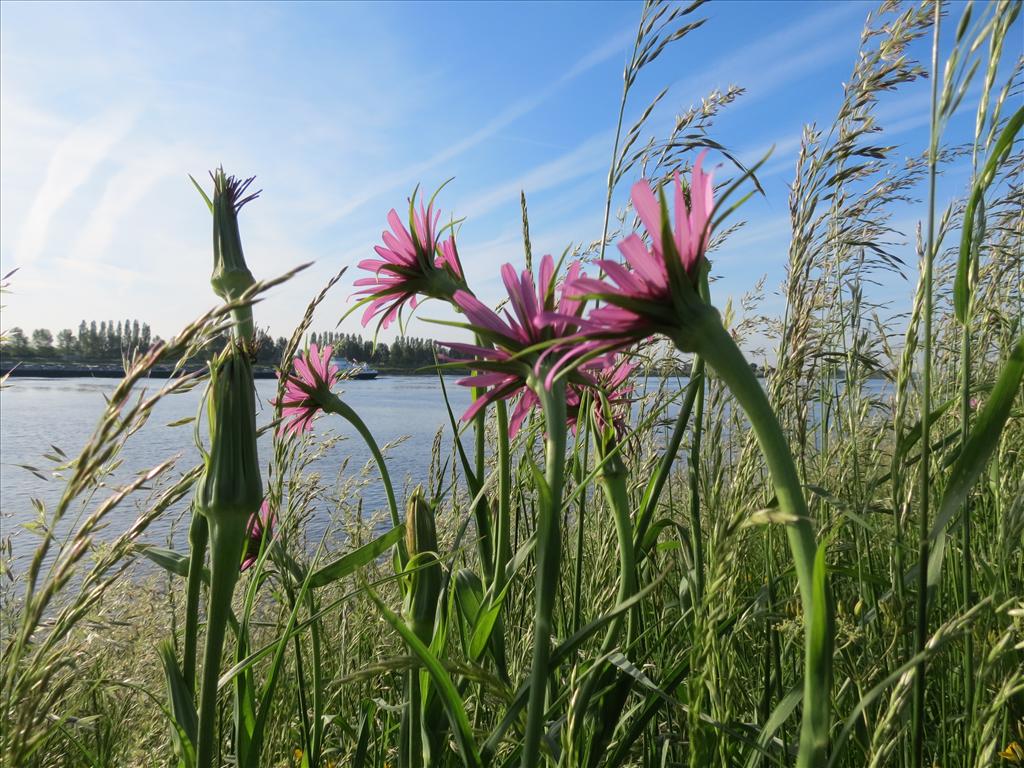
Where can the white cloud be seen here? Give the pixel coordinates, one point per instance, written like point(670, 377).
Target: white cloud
point(71, 165)
point(503, 119)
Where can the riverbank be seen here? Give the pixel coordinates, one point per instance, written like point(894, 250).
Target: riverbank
point(116, 371)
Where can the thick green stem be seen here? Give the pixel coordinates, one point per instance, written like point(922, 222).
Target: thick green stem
point(334, 404)
point(227, 540)
point(719, 350)
point(549, 548)
point(198, 535)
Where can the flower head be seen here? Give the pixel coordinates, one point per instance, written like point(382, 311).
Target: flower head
point(530, 344)
point(231, 277)
point(413, 262)
point(657, 282)
point(313, 374)
point(260, 527)
point(611, 393)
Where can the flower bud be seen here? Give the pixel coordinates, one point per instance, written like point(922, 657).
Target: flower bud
point(230, 484)
point(424, 567)
point(231, 277)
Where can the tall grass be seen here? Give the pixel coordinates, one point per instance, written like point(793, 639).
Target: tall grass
point(824, 570)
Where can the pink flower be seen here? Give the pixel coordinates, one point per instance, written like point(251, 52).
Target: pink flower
point(640, 297)
point(260, 526)
point(314, 373)
point(610, 394)
point(412, 262)
point(533, 341)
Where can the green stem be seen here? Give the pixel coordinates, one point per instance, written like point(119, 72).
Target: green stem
point(503, 544)
point(613, 479)
point(549, 547)
point(227, 540)
point(967, 564)
point(719, 350)
point(334, 404)
point(696, 535)
point(653, 494)
point(198, 535)
point(481, 512)
point(921, 629)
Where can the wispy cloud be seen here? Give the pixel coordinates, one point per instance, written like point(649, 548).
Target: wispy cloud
point(591, 156)
point(73, 162)
point(611, 47)
point(123, 193)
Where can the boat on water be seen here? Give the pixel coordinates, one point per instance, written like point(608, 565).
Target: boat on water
point(350, 369)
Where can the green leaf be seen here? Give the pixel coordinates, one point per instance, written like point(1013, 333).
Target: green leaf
point(981, 442)
point(969, 241)
point(183, 707)
point(350, 561)
point(201, 191)
point(453, 704)
point(779, 715)
point(171, 561)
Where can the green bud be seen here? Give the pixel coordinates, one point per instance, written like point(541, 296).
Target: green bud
point(230, 485)
point(425, 569)
point(231, 277)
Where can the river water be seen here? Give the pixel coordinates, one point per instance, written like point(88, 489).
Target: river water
point(36, 414)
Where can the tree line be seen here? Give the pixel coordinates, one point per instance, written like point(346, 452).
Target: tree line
point(106, 341)
point(99, 342)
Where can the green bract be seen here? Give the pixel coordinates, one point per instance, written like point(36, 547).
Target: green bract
point(231, 277)
point(231, 486)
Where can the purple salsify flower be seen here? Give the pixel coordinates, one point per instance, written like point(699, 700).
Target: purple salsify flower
point(611, 393)
point(314, 372)
point(640, 295)
point(412, 262)
point(261, 525)
point(535, 340)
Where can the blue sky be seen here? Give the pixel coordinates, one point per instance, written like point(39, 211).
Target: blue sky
point(340, 110)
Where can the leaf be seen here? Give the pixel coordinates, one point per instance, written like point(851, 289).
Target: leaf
point(183, 706)
point(981, 442)
point(350, 561)
point(969, 230)
point(446, 690)
point(779, 715)
point(201, 191)
point(171, 561)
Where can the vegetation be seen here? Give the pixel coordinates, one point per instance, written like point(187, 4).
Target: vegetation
point(602, 571)
point(109, 343)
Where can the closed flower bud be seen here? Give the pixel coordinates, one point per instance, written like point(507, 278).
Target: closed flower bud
point(231, 277)
point(231, 483)
point(424, 567)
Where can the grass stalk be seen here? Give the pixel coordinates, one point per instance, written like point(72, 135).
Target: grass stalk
point(921, 626)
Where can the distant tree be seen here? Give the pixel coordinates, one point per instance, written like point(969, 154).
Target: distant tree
point(42, 341)
point(94, 339)
point(83, 338)
point(135, 333)
point(66, 342)
point(145, 336)
point(16, 342)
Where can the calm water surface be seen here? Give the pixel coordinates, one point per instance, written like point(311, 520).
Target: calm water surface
point(38, 413)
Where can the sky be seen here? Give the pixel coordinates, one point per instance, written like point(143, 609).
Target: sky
point(341, 110)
